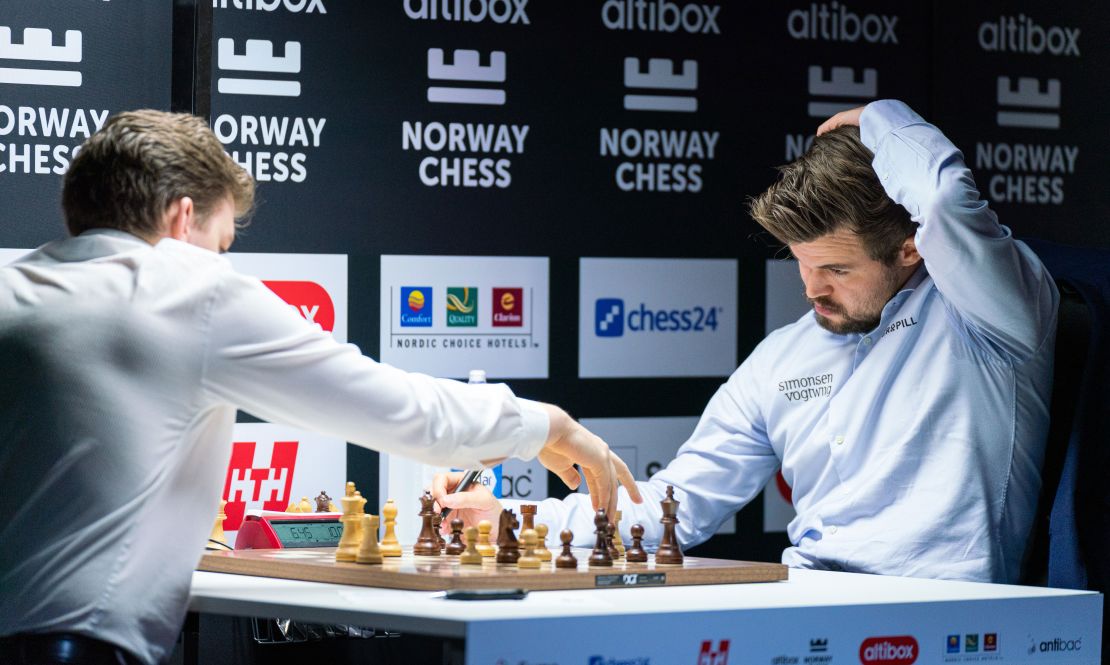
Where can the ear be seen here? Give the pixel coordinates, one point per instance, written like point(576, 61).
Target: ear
point(907, 253)
point(180, 217)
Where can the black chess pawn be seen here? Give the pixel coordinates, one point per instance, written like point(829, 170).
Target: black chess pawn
point(456, 545)
point(669, 552)
point(636, 553)
point(437, 524)
point(600, 555)
point(566, 558)
point(610, 536)
point(427, 543)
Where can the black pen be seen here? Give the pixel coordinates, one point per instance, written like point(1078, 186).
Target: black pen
point(467, 480)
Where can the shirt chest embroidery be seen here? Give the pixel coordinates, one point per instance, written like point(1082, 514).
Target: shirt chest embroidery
point(805, 388)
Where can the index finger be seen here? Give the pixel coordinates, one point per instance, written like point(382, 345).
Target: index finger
point(628, 481)
point(443, 483)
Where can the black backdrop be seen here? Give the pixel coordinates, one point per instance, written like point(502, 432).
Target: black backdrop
point(765, 75)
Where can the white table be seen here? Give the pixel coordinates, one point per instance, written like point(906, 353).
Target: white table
point(857, 618)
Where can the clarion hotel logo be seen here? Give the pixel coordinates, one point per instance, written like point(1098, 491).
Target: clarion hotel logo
point(899, 650)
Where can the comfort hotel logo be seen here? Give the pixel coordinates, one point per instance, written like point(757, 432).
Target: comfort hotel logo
point(462, 306)
point(416, 306)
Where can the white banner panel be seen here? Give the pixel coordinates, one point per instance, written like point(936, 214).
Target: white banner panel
point(273, 466)
point(315, 285)
point(646, 444)
point(657, 317)
point(447, 315)
point(786, 302)
point(9, 255)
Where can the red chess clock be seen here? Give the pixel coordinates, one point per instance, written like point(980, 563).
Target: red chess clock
point(285, 530)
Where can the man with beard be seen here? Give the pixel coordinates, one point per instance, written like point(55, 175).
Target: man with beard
point(909, 410)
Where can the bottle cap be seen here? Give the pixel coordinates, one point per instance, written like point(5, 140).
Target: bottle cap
point(477, 376)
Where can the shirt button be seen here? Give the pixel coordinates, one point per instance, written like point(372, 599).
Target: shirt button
point(832, 529)
point(867, 340)
point(839, 440)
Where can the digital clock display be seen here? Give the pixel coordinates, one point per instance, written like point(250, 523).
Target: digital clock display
point(325, 533)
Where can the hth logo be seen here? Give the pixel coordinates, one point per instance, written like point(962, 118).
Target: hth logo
point(1027, 95)
point(900, 650)
point(467, 67)
point(259, 57)
point(661, 75)
point(508, 307)
point(841, 82)
point(38, 46)
point(309, 299)
point(253, 481)
point(609, 317)
point(709, 657)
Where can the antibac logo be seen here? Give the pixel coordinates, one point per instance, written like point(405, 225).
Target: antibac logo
point(462, 306)
point(38, 46)
point(609, 317)
point(899, 650)
point(416, 306)
point(707, 656)
point(508, 307)
point(251, 481)
point(309, 299)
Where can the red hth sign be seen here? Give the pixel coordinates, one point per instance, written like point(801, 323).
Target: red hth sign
point(309, 299)
point(900, 650)
point(248, 482)
point(709, 657)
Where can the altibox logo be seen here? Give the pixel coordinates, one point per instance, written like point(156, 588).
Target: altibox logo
point(660, 16)
point(294, 6)
point(834, 22)
point(462, 306)
point(899, 650)
point(508, 307)
point(609, 320)
point(1022, 34)
point(309, 299)
point(416, 306)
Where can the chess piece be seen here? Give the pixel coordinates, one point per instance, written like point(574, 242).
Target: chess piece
point(303, 506)
point(427, 543)
point(636, 553)
point(368, 551)
point(390, 545)
point(600, 555)
point(529, 558)
point(471, 556)
point(456, 546)
point(566, 557)
point(614, 553)
point(323, 502)
point(669, 552)
point(485, 547)
point(217, 535)
point(542, 552)
point(360, 510)
point(527, 517)
point(508, 548)
point(348, 542)
point(617, 533)
point(437, 522)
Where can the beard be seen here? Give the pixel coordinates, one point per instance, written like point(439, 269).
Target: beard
point(865, 317)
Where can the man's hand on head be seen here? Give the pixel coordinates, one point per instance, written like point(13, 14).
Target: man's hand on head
point(849, 117)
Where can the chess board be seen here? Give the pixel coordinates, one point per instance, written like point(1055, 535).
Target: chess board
point(421, 573)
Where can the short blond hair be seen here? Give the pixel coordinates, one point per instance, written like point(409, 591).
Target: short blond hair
point(128, 173)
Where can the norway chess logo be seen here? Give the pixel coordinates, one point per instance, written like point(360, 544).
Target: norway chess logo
point(252, 479)
point(38, 46)
point(308, 299)
point(609, 317)
point(258, 57)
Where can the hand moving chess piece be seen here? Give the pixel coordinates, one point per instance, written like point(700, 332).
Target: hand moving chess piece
point(600, 555)
point(508, 548)
point(669, 552)
point(368, 551)
point(485, 547)
point(349, 542)
point(390, 545)
point(566, 557)
point(471, 556)
point(529, 558)
point(456, 546)
point(636, 553)
point(217, 535)
point(323, 502)
point(617, 533)
point(542, 552)
point(427, 543)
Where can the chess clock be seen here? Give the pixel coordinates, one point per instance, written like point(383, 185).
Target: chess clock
point(287, 530)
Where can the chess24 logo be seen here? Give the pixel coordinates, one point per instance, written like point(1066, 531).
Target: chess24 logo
point(611, 320)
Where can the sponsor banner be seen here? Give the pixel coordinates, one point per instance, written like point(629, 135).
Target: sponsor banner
point(273, 466)
point(314, 285)
point(8, 255)
point(646, 444)
point(785, 303)
point(447, 315)
point(1038, 628)
point(657, 317)
point(1018, 90)
point(65, 67)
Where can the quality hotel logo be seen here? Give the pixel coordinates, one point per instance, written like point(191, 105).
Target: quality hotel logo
point(462, 306)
